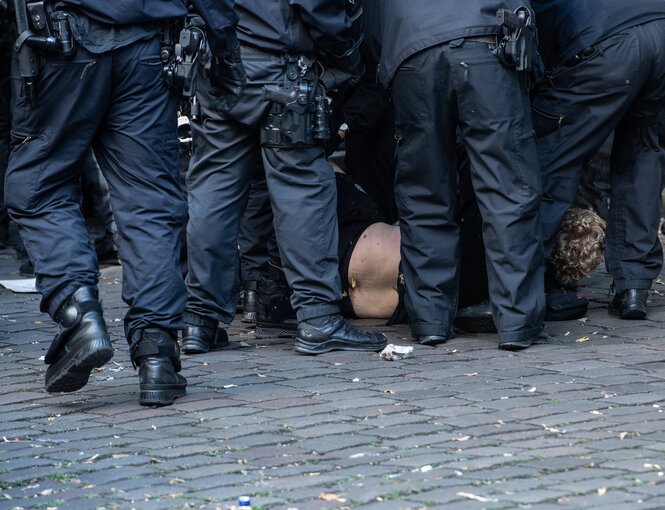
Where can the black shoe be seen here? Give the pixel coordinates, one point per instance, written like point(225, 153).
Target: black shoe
point(433, 339)
point(249, 299)
point(275, 317)
point(202, 335)
point(334, 333)
point(516, 345)
point(82, 344)
point(630, 304)
point(476, 318)
point(158, 358)
point(564, 305)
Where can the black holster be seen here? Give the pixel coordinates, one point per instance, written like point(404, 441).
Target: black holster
point(300, 111)
point(518, 45)
point(40, 30)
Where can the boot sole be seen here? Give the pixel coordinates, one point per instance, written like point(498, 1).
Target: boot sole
point(632, 313)
point(515, 346)
point(72, 372)
point(248, 317)
point(157, 395)
point(432, 343)
point(268, 332)
point(334, 345)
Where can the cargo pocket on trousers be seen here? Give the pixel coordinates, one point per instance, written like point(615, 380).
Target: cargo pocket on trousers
point(545, 123)
point(28, 156)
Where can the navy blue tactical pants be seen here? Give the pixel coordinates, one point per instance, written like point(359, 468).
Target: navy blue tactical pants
point(301, 184)
point(5, 124)
point(617, 84)
point(463, 84)
point(118, 103)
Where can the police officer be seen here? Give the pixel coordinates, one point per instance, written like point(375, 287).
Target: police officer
point(606, 71)
point(101, 84)
point(448, 67)
point(281, 42)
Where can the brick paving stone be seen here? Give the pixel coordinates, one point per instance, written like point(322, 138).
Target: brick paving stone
point(544, 428)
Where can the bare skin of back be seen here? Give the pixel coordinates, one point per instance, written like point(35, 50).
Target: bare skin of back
point(373, 272)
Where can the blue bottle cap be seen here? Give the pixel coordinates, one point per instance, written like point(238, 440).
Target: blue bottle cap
point(243, 500)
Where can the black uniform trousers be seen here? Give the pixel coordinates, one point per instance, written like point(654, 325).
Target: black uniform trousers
point(118, 103)
point(5, 126)
point(617, 84)
point(462, 83)
point(256, 240)
point(301, 184)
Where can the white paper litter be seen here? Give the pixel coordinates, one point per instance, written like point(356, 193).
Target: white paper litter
point(22, 286)
point(393, 352)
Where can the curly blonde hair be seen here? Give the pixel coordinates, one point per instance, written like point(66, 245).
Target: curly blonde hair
point(579, 245)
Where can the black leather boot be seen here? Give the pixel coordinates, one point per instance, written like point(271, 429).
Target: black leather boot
point(249, 298)
point(202, 334)
point(433, 340)
point(275, 317)
point(158, 357)
point(630, 304)
point(82, 344)
point(334, 333)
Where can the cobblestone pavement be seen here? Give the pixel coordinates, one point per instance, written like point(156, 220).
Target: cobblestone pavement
point(573, 422)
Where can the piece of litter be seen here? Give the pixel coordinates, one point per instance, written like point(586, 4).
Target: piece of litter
point(602, 491)
point(425, 469)
point(475, 498)
point(583, 339)
point(328, 497)
point(22, 286)
point(393, 352)
point(355, 379)
point(227, 386)
point(464, 438)
point(532, 389)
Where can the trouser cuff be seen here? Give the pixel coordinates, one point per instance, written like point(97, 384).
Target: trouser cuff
point(312, 312)
point(418, 330)
point(518, 336)
point(193, 319)
point(621, 285)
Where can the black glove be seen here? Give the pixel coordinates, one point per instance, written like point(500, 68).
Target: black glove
point(228, 80)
